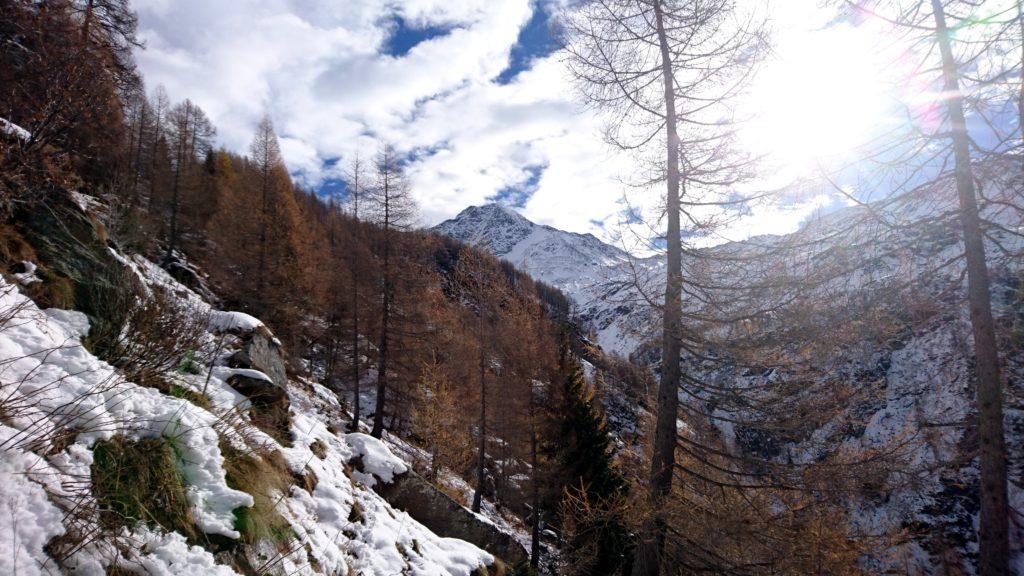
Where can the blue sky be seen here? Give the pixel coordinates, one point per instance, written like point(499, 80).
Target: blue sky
point(472, 92)
point(535, 41)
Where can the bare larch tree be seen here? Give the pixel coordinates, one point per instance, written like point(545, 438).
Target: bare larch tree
point(662, 70)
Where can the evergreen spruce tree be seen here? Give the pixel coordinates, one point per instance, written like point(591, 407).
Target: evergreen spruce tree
point(593, 488)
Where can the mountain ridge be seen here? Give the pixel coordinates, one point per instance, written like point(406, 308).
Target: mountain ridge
point(591, 272)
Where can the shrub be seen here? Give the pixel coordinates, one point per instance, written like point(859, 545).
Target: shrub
point(159, 337)
point(272, 418)
point(192, 396)
point(190, 364)
point(138, 481)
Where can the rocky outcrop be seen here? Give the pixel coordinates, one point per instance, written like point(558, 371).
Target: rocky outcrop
point(258, 388)
point(261, 351)
point(260, 372)
point(434, 509)
point(71, 245)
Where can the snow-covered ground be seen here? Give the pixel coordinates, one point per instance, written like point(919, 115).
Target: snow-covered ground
point(52, 387)
point(10, 128)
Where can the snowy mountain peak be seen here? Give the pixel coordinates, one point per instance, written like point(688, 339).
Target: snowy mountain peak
point(493, 227)
point(580, 265)
point(502, 231)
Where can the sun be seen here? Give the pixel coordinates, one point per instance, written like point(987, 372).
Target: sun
point(821, 97)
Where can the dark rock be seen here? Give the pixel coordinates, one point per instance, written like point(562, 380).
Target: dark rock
point(270, 405)
point(447, 518)
point(259, 390)
point(72, 244)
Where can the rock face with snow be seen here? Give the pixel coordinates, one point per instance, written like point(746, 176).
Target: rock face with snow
point(901, 385)
point(588, 270)
point(259, 349)
point(412, 494)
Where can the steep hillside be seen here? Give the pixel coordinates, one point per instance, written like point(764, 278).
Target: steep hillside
point(211, 460)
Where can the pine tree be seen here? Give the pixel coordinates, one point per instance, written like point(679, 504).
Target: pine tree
point(593, 489)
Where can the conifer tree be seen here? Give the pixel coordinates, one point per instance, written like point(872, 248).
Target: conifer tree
point(437, 418)
point(191, 133)
point(266, 155)
point(355, 181)
point(592, 487)
point(665, 72)
point(158, 153)
point(263, 240)
point(479, 282)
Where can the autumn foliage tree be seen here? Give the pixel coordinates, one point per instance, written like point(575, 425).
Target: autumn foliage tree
point(261, 237)
point(190, 138)
point(390, 205)
point(345, 283)
point(62, 81)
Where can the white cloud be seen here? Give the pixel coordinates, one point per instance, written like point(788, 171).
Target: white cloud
point(319, 69)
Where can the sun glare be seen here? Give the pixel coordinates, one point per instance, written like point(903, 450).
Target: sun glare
point(820, 98)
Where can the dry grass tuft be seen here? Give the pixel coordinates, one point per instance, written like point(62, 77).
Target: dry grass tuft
point(265, 476)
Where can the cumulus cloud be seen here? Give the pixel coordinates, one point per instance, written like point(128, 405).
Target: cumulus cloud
point(325, 74)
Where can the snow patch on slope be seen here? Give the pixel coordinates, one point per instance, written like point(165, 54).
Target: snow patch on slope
point(12, 129)
point(378, 461)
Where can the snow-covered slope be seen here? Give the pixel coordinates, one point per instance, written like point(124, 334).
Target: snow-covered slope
point(58, 400)
point(588, 270)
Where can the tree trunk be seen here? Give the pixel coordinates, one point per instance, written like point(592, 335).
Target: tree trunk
point(175, 193)
point(482, 449)
point(993, 533)
point(87, 21)
point(157, 134)
point(265, 217)
point(138, 156)
point(1020, 97)
point(382, 360)
point(356, 404)
point(382, 364)
point(535, 492)
point(649, 549)
point(132, 161)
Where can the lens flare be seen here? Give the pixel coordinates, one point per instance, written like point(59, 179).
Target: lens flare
point(824, 94)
